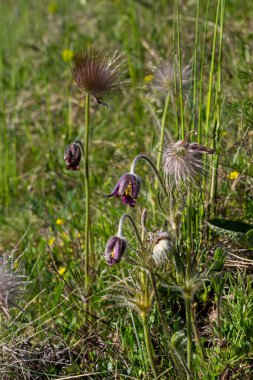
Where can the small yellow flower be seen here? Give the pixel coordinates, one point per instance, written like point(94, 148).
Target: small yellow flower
point(64, 235)
point(67, 55)
point(60, 221)
point(148, 78)
point(78, 235)
point(52, 8)
point(61, 270)
point(233, 175)
point(51, 241)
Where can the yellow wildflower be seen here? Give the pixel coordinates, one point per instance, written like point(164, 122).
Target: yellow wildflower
point(148, 78)
point(60, 221)
point(64, 235)
point(233, 175)
point(52, 8)
point(51, 241)
point(67, 55)
point(61, 270)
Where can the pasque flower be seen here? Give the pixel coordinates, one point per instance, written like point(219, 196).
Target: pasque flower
point(127, 187)
point(115, 249)
point(72, 155)
point(97, 71)
point(183, 161)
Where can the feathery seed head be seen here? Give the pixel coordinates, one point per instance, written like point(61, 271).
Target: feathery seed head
point(164, 77)
point(97, 71)
point(183, 161)
point(11, 285)
point(161, 246)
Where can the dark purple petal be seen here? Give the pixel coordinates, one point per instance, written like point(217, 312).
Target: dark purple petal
point(200, 148)
point(115, 248)
point(124, 183)
point(72, 156)
point(135, 187)
point(127, 187)
point(127, 200)
point(115, 192)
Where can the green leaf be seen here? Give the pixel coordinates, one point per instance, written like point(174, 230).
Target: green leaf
point(236, 231)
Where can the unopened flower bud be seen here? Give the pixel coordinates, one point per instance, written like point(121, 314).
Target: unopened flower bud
point(72, 155)
point(115, 249)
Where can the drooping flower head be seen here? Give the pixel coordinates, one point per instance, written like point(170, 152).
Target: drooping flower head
point(127, 188)
point(115, 249)
point(11, 286)
point(97, 71)
point(183, 161)
point(72, 155)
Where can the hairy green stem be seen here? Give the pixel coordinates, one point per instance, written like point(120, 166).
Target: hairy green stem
point(148, 344)
point(87, 192)
point(218, 315)
point(196, 333)
point(178, 361)
point(189, 334)
point(133, 225)
point(151, 164)
point(189, 234)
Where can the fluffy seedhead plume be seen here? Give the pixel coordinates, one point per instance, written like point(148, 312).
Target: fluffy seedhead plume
point(161, 246)
point(97, 71)
point(11, 286)
point(182, 161)
point(164, 77)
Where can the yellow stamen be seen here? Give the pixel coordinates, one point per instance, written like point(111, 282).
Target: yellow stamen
point(129, 190)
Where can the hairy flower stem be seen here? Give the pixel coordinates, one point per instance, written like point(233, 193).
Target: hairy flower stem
point(196, 333)
point(188, 274)
point(87, 193)
point(133, 225)
point(147, 159)
point(218, 316)
point(148, 344)
point(179, 363)
point(189, 334)
point(161, 141)
point(189, 234)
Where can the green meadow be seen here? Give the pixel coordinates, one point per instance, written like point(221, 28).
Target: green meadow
point(171, 297)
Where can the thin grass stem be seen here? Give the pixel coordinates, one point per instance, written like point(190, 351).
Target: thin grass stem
point(87, 192)
point(161, 141)
point(180, 76)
